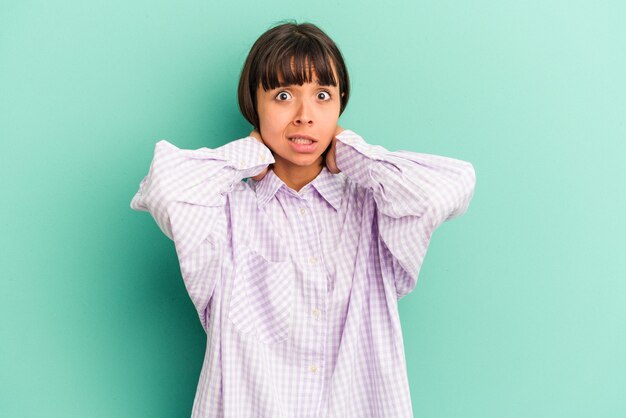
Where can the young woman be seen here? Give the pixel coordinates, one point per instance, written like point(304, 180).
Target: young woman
point(296, 242)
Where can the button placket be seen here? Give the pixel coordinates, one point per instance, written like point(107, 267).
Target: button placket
point(313, 263)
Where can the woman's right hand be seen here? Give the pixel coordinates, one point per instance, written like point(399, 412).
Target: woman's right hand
point(257, 135)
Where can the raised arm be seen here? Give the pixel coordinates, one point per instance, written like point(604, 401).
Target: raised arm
point(185, 191)
point(414, 194)
point(199, 177)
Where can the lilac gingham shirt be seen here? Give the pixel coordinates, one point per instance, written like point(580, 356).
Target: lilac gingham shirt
point(298, 291)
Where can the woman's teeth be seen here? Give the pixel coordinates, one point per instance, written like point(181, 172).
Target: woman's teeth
point(301, 141)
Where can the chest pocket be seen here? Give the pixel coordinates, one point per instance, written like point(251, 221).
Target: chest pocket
point(262, 299)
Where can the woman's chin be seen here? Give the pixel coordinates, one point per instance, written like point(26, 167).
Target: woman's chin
point(303, 160)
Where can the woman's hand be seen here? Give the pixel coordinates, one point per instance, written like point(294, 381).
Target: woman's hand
point(257, 135)
point(331, 163)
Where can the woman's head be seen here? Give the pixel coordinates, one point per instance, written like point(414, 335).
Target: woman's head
point(274, 54)
point(294, 80)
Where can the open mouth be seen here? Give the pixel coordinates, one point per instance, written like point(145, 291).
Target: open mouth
point(301, 138)
point(303, 141)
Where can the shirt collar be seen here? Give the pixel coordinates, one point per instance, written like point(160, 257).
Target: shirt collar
point(329, 186)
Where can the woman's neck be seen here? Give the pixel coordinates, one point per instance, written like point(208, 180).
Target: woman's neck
point(295, 176)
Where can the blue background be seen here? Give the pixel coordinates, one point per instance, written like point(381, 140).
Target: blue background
point(519, 309)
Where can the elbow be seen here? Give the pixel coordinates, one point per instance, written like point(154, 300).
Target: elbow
point(470, 181)
point(137, 204)
point(468, 185)
point(465, 191)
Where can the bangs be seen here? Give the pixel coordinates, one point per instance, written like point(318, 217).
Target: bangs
point(306, 56)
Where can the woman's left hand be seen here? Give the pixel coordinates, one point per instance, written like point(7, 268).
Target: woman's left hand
point(331, 163)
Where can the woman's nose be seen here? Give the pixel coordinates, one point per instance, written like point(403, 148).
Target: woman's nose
point(303, 116)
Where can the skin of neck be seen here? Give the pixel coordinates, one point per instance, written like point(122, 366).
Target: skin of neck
point(296, 176)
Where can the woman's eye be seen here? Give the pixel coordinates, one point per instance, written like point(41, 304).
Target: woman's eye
point(282, 96)
point(325, 95)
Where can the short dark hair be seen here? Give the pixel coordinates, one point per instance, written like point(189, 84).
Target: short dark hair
point(272, 53)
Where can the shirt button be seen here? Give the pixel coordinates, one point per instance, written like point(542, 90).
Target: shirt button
point(313, 368)
point(261, 157)
point(241, 162)
point(312, 260)
point(317, 313)
point(302, 211)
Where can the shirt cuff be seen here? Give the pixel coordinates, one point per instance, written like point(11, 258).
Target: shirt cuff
point(355, 157)
point(247, 156)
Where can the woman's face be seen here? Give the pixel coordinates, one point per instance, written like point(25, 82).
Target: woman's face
point(310, 109)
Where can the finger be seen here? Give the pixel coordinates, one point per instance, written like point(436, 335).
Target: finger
point(331, 163)
point(256, 135)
